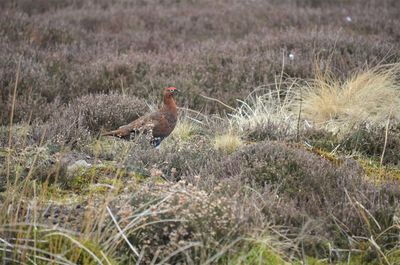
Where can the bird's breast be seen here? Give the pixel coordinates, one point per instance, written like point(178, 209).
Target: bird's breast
point(165, 126)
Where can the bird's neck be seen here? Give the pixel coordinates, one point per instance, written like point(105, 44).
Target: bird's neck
point(170, 105)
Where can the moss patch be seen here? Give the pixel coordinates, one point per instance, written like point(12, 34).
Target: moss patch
point(376, 172)
point(255, 254)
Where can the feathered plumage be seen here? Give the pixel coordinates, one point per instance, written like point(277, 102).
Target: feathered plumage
point(159, 124)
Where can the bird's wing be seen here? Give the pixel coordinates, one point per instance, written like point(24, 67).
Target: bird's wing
point(144, 124)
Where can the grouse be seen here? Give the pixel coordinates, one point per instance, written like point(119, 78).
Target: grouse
point(158, 124)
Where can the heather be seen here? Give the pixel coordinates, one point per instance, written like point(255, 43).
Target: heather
point(286, 149)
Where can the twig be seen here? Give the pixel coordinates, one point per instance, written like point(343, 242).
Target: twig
point(122, 233)
point(386, 139)
point(79, 244)
point(373, 242)
point(219, 101)
point(11, 120)
point(298, 118)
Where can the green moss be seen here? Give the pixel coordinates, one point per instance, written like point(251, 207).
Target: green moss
point(394, 256)
point(255, 254)
point(321, 139)
point(109, 148)
point(91, 179)
point(354, 260)
point(375, 171)
point(312, 261)
point(359, 259)
point(327, 155)
point(83, 176)
point(3, 152)
point(54, 193)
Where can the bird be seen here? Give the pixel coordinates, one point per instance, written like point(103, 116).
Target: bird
point(158, 125)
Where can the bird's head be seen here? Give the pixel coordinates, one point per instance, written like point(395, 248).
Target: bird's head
point(169, 91)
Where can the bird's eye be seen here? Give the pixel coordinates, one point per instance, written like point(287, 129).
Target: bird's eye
point(171, 89)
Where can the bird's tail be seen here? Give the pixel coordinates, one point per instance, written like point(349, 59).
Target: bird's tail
point(110, 133)
point(117, 133)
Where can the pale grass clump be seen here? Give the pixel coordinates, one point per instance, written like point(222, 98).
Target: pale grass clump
point(228, 142)
point(273, 107)
point(184, 130)
point(368, 97)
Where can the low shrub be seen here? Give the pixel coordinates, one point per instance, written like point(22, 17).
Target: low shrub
point(256, 253)
point(176, 160)
point(309, 187)
point(179, 223)
point(294, 171)
point(370, 142)
point(32, 161)
point(90, 114)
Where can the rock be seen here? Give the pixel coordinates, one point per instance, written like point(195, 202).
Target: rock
point(77, 165)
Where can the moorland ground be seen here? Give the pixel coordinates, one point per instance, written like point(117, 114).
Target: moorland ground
point(287, 149)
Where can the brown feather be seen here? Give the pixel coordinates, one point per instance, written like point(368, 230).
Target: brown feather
point(160, 123)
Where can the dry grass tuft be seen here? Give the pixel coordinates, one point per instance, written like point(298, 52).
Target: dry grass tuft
point(271, 108)
point(367, 97)
point(184, 130)
point(227, 143)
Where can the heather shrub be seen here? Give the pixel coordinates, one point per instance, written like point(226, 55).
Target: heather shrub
point(13, 25)
point(179, 223)
point(30, 103)
point(312, 188)
point(270, 131)
point(37, 7)
point(110, 148)
point(28, 162)
point(90, 114)
point(226, 72)
point(320, 139)
point(370, 142)
point(294, 171)
point(20, 136)
point(175, 160)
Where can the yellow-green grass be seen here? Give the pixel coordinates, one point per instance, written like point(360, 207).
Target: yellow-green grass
point(227, 143)
point(184, 130)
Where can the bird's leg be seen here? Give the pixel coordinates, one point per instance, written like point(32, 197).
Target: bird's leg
point(156, 141)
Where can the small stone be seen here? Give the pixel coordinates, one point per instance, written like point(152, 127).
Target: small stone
point(78, 164)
